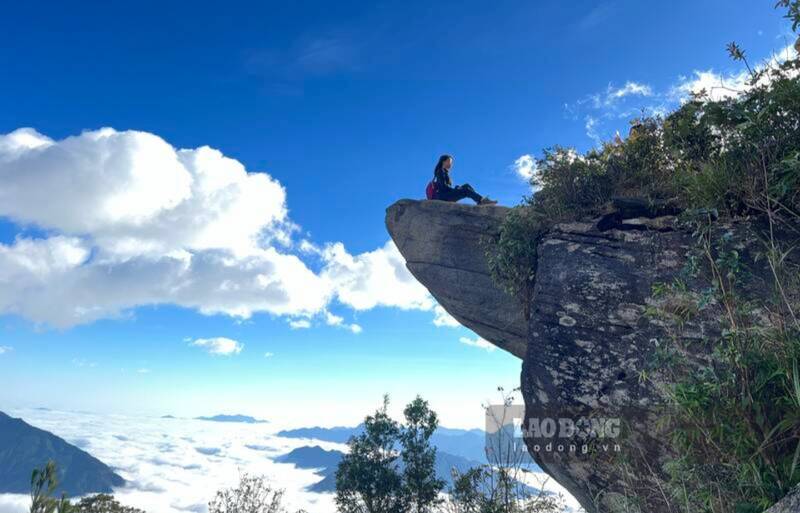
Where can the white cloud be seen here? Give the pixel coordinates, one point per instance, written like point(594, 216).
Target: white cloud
point(629, 89)
point(333, 320)
point(132, 221)
point(163, 469)
point(591, 130)
point(477, 342)
point(375, 278)
point(605, 112)
point(6, 349)
point(444, 319)
point(721, 86)
point(526, 168)
point(299, 324)
point(716, 86)
point(143, 371)
point(221, 346)
point(268, 354)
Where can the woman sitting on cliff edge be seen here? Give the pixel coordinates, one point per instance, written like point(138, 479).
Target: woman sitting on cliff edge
point(441, 187)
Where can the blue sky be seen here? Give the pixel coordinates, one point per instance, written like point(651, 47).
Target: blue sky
point(346, 106)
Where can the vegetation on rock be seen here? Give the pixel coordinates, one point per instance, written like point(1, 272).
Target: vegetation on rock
point(735, 417)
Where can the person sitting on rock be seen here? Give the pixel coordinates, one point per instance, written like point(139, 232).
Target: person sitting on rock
point(441, 187)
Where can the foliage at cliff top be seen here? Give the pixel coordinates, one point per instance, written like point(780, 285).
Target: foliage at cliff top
point(735, 157)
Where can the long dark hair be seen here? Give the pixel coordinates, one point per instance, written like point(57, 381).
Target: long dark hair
point(439, 164)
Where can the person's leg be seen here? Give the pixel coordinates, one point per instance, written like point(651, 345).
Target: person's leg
point(466, 191)
point(449, 194)
point(458, 193)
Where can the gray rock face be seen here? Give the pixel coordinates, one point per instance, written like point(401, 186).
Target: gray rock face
point(442, 245)
point(590, 341)
point(789, 504)
point(589, 347)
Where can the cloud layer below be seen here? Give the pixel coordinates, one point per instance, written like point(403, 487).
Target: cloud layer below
point(176, 465)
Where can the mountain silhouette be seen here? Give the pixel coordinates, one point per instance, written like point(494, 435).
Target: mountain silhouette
point(469, 444)
point(24, 448)
point(245, 419)
point(325, 463)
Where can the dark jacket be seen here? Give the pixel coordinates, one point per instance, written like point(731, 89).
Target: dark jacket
point(441, 178)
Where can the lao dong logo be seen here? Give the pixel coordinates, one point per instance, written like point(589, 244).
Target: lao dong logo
point(551, 434)
point(587, 428)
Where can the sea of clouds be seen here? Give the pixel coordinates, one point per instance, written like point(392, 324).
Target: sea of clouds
point(175, 465)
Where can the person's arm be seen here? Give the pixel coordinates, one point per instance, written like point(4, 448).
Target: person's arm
point(442, 178)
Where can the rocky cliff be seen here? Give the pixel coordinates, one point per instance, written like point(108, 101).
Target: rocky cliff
point(441, 243)
point(589, 343)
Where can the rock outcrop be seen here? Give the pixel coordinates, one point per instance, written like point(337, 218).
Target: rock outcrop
point(443, 244)
point(590, 341)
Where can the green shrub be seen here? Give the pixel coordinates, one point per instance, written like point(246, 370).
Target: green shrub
point(511, 255)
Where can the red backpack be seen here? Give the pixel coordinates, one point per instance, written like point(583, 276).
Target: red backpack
point(430, 190)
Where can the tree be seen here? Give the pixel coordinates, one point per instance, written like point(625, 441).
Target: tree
point(43, 483)
point(254, 494)
point(419, 472)
point(368, 479)
point(102, 503)
point(509, 483)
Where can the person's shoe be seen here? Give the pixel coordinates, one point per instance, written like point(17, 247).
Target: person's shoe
point(487, 201)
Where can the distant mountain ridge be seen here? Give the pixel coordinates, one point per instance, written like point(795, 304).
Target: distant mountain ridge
point(244, 419)
point(24, 447)
point(466, 443)
point(325, 462)
point(316, 458)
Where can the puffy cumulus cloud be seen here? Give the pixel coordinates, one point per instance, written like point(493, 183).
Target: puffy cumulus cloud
point(219, 346)
point(527, 169)
point(135, 194)
point(132, 221)
point(477, 342)
point(374, 278)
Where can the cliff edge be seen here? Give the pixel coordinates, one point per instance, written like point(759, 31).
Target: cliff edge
point(590, 348)
point(443, 246)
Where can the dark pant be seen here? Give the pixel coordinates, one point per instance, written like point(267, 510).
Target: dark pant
point(459, 192)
